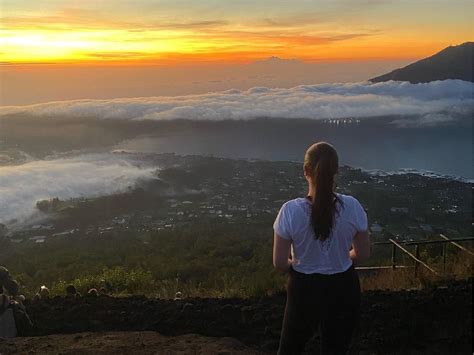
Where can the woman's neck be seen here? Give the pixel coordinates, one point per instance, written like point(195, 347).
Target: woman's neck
point(311, 192)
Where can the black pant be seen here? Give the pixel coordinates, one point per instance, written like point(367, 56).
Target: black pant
point(328, 302)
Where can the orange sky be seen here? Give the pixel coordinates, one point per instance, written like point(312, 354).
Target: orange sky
point(62, 50)
point(173, 32)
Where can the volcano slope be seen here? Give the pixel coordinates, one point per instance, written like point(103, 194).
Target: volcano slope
point(436, 320)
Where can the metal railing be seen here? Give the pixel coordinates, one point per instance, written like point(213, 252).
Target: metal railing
point(400, 245)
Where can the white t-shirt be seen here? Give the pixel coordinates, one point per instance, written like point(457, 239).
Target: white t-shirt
point(312, 255)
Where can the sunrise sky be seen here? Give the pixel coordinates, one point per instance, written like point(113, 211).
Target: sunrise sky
point(174, 33)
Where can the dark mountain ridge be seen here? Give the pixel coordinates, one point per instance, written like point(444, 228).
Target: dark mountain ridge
point(453, 62)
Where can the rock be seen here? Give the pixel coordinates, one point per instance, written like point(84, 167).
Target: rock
point(187, 307)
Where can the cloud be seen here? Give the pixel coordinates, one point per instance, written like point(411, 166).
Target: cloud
point(82, 176)
point(323, 101)
point(94, 19)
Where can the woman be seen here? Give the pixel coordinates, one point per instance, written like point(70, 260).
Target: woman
point(327, 234)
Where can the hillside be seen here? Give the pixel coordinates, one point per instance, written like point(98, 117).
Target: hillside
point(454, 62)
point(435, 320)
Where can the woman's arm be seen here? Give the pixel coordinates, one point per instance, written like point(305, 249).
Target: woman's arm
point(360, 247)
point(281, 253)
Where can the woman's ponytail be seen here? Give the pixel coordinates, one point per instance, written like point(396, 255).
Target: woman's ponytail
point(322, 161)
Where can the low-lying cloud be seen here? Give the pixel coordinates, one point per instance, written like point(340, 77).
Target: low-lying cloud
point(322, 101)
point(82, 176)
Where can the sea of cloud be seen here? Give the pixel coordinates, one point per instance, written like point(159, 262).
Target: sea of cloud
point(436, 102)
point(21, 186)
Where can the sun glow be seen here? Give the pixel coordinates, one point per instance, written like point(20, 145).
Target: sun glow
point(139, 32)
point(28, 46)
point(117, 45)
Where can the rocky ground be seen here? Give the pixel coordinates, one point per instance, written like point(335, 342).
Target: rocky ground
point(430, 321)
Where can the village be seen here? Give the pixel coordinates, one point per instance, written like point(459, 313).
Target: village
point(206, 190)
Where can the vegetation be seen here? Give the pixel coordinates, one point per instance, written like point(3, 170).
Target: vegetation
point(202, 260)
point(199, 260)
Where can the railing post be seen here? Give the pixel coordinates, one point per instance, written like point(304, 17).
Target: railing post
point(417, 254)
point(410, 255)
point(394, 256)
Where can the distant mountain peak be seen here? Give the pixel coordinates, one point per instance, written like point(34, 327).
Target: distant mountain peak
point(453, 62)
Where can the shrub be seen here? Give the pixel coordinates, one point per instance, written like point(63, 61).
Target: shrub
point(117, 281)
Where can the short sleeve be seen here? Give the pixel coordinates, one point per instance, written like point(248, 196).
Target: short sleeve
point(360, 217)
point(282, 225)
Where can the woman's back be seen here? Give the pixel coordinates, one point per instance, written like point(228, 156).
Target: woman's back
point(325, 233)
point(311, 255)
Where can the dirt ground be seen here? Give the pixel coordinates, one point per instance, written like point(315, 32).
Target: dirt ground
point(430, 321)
point(124, 343)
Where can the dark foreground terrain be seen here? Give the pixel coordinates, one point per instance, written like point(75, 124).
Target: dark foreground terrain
point(147, 342)
point(437, 320)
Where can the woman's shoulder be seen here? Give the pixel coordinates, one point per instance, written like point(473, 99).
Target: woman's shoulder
point(345, 196)
point(296, 203)
point(349, 201)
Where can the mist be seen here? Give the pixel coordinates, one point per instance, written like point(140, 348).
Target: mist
point(80, 176)
point(28, 84)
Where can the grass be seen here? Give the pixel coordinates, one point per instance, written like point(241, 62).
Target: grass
point(459, 267)
point(120, 281)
